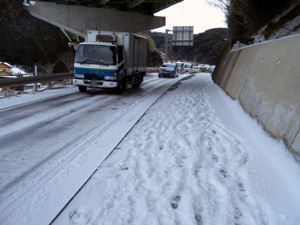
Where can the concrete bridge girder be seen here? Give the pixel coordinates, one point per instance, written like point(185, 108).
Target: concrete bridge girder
point(79, 19)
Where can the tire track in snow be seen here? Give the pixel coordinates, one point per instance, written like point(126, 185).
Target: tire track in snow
point(178, 165)
point(37, 202)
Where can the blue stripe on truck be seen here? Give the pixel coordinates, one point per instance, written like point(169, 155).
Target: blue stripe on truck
point(95, 71)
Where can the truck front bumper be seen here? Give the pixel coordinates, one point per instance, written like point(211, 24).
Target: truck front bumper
point(95, 83)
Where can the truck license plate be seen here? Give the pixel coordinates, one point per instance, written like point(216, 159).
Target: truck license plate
point(93, 83)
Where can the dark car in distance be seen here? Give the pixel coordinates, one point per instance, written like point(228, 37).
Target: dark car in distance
point(168, 70)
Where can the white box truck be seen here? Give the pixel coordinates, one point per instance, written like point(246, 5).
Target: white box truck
point(110, 60)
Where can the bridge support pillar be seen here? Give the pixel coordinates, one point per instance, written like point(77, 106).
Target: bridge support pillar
point(79, 19)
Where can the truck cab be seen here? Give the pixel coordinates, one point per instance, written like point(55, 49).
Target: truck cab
point(110, 60)
point(98, 65)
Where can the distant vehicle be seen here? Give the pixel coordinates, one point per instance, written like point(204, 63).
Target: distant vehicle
point(209, 70)
point(202, 69)
point(168, 70)
point(196, 69)
point(188, 68)
point(110, 60)
point(180, 66)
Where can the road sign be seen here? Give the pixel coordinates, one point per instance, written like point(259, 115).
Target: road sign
point(183, 36)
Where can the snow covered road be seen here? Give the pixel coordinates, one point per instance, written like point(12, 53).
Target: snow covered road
point(51, 147)
point(33, 133)
point(194, 158)
point(186, 163)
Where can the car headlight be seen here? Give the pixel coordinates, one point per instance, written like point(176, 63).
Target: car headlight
point(109, 78)
point(81, 76)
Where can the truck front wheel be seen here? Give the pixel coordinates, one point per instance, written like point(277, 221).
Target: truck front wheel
point(82, 88)
point(122, 86)
point(139, 81)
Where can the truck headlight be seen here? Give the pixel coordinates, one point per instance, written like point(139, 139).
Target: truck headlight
point(79, 76)
point(109, 78)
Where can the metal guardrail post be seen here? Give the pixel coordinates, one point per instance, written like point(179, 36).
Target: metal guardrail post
point(35, 74)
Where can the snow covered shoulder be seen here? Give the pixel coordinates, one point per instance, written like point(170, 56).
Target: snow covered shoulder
point(194, 158)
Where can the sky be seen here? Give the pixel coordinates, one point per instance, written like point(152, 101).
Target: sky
point(197, 13)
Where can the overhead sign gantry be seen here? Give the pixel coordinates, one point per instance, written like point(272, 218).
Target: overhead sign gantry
point(182, 36)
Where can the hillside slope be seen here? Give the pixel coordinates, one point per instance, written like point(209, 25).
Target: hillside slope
point(285, 24)
point(21, 34)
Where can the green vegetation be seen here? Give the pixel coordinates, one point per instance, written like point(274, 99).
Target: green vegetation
point(60, 67)
point(207, 47)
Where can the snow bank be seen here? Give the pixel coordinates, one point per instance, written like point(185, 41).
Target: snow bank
point(16, 71)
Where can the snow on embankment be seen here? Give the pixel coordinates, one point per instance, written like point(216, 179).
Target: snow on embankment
point(264, 78)
point(286, 24)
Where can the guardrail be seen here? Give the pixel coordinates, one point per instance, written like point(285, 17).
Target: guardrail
point(15, 82)
point(152, 69)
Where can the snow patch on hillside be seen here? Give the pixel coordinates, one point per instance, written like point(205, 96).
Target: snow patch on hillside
point(288, 28)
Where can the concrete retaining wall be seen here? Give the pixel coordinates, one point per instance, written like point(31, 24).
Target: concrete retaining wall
point(265, 78)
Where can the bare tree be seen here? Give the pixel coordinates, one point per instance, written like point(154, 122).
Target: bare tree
point(236, 10)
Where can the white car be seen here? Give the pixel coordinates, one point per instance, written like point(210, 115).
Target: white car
point(188, 68)
point(168, 70)
point(196, 69)
point(180, 67)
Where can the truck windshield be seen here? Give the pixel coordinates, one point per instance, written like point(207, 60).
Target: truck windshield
point(96, 54)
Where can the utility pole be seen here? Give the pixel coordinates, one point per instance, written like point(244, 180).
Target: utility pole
point(166, 45)
point(35, 74)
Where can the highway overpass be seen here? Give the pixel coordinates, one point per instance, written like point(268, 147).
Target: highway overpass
point(75, 17)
